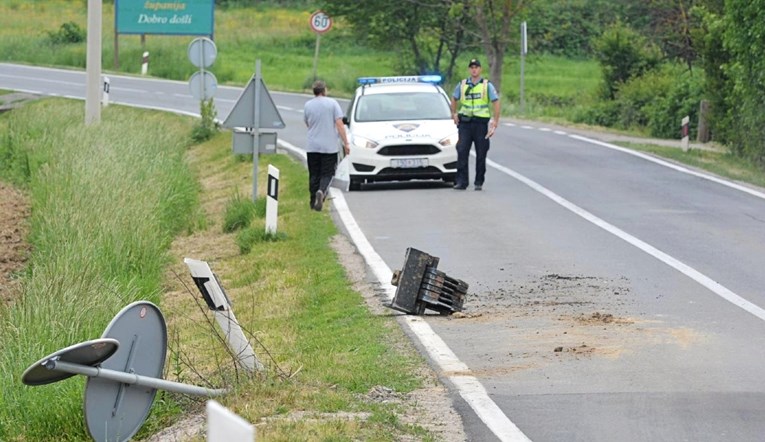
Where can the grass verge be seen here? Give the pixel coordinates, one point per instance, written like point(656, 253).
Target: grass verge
point(116, 208)
point(719, 163)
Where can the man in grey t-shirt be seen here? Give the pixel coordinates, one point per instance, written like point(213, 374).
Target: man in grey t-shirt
point(324, 119)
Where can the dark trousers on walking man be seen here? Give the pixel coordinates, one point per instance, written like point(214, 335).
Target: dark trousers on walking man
point(321, 169)
point(471, 133)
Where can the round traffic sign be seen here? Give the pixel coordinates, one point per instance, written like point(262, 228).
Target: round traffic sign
point(320, 22)
point(202, 52)
point(203, 85)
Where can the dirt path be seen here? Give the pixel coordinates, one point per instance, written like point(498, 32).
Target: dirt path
point(14, 250)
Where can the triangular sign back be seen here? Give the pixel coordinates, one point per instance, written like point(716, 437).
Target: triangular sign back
point(243, 113)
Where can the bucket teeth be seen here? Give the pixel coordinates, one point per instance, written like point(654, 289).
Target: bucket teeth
point(420, 285)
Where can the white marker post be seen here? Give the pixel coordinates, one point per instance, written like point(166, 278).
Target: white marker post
point(105, 96)
point(272, 200)
point(223, 425)
point(685, 133)
point(145, 63)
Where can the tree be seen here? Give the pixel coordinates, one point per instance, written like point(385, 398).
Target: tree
point(429, 31)
point(624, 54)
point(744, 38)
point(492, 19)
point(434, 32)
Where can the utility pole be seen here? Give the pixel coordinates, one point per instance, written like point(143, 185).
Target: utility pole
point(524, 49)
point(93, 64)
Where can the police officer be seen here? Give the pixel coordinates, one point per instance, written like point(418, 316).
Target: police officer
point(476, 118)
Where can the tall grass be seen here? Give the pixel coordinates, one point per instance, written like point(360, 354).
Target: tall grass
point(107, 201)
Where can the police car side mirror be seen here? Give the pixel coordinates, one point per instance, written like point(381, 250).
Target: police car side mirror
point(345, 121)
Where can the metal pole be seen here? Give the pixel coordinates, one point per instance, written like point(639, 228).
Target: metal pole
point(256, 132)
point(132, 379)
point(93, 62)
point(523, 59)
point(316, 55)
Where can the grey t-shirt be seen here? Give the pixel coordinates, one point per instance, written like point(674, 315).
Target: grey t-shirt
point(320, 114)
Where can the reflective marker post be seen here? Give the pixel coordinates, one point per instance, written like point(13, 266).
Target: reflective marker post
point(223, 425)
point(145, 63)
point(105, 97)
point(272, 202)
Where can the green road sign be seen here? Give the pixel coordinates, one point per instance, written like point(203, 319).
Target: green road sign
point(177, 17)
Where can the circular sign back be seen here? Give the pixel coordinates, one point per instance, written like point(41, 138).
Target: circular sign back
point(203, 85)
point(114, 412)
point(202, 52)
point(320, 22)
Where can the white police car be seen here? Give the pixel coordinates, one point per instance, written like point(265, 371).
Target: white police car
point(400, 128)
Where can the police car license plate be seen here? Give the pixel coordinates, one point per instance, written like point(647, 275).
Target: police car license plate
point(408, 163)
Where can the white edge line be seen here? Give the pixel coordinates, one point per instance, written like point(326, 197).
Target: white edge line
point(455, 370)
point(672, 166)
point(687, 270)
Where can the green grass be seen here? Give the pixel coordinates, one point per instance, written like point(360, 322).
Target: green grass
point(720, 163)
point(100, 240)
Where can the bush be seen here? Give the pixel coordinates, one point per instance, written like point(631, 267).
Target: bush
point(624, 54)
point(68, 33)
point(638, 94)
point(207, 126)
point(239, 213)
point(681, 98)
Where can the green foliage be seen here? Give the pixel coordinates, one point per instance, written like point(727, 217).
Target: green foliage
point(252, 235)
point(239, 213)
point(568, 28)
point(69, 32)
point(679, 98)
point(744, 37)
point(623, 54)
point(207, 125)
point(432, 30)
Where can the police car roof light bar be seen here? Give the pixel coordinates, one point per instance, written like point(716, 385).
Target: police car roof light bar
point(435, 79)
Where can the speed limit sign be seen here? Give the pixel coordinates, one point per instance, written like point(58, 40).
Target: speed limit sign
point(320, 22)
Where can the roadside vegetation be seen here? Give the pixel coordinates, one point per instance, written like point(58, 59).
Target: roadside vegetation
point(101, 240)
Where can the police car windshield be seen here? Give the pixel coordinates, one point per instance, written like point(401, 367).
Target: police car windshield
point(402, 106)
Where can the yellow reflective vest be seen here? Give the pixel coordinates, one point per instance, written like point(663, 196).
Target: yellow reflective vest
point(474, 99)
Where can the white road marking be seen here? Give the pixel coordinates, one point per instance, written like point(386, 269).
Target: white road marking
point(672, 166)
point(683, 268)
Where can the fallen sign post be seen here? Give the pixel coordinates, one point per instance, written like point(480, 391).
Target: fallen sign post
point(420, 285)
point(124, 369)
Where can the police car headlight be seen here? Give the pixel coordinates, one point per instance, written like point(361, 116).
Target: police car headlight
point(449, 141)
point(364, 142)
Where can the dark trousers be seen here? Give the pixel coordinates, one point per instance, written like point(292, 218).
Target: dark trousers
point(472, 132)
point(321, 169)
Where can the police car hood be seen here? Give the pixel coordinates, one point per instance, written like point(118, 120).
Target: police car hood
point(424, 131)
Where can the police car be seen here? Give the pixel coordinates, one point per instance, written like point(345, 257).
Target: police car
point(400, 128)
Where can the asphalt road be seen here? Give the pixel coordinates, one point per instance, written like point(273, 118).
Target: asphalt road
point(612, 297)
